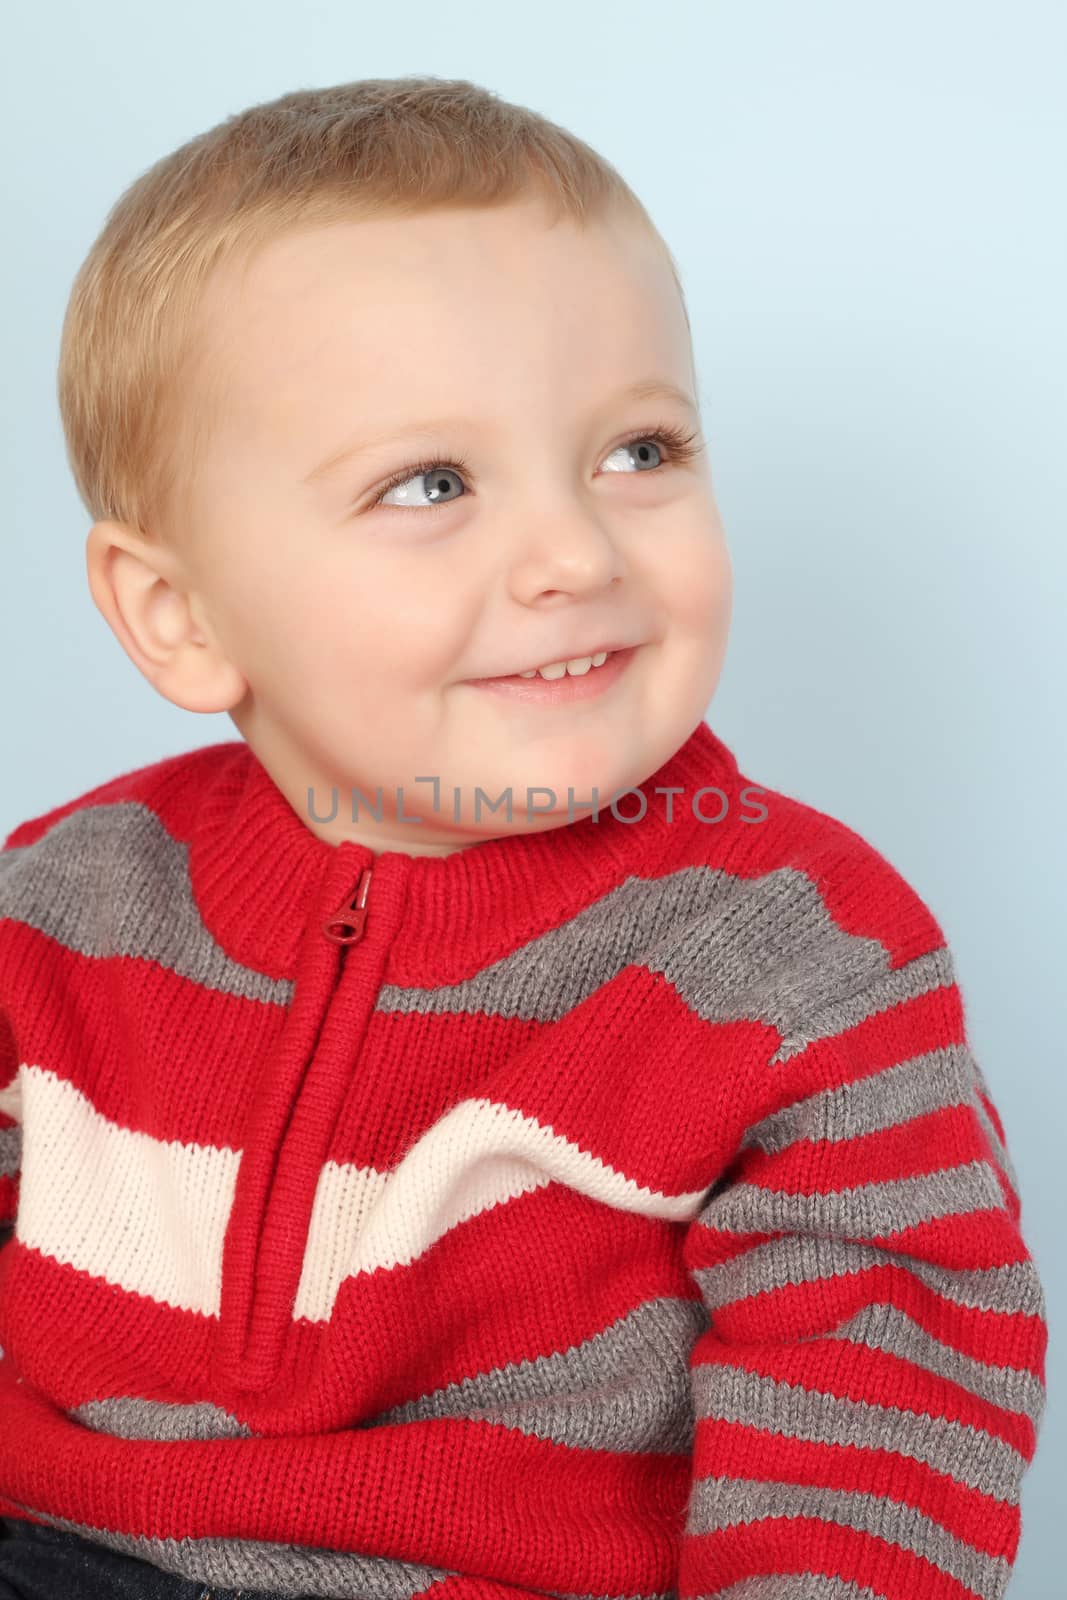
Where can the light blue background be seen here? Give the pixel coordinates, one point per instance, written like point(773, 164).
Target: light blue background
point(866, 203)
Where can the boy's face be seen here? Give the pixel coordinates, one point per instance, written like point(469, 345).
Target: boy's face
point(344, 635)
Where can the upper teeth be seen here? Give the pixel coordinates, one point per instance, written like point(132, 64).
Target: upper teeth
point(575, 667)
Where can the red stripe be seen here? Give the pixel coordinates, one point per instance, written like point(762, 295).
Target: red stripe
point(726, 1449)
point(800, 1545)
point(853, 1371)
point(350, 1369)
point(792, 1310)
point(468, 1494)
point(933, 1142)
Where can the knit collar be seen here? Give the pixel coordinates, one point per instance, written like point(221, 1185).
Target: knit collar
point(259, 873)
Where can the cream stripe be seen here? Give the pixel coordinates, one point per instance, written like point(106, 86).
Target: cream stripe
point(150, 1216)
point(477, 1156)
point(141, 1214)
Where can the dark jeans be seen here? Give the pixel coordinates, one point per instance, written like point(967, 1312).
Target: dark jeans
point(42, 1563)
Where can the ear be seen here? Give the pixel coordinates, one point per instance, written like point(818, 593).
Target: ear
point(137, 585)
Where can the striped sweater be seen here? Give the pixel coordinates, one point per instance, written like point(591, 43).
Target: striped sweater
point(611, 1211)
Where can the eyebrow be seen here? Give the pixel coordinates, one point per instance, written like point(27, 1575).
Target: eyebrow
point(646, 389)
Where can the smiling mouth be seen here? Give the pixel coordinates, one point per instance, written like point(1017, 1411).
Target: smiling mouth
point(566, 685)
point(561, 666)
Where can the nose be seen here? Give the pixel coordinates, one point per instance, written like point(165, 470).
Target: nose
point(570, 553)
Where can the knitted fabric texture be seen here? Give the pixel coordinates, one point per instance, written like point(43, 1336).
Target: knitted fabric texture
point(612, 1211)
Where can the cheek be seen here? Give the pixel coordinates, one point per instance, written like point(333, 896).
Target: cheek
point(353, 623)
point(421, 607)
point(698, 584)
point(285, 621)
point(279, 621)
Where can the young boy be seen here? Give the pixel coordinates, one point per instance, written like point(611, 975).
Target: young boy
point(462, 1133)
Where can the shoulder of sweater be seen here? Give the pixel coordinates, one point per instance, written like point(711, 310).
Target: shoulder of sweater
point(80, 840)
point(785, 915)
point(810, 870)
point(160, 785)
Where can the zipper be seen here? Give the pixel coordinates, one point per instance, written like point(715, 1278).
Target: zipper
point(308, 1076)
point(345, 926)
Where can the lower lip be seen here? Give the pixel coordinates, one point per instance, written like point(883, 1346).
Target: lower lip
point(552, 691)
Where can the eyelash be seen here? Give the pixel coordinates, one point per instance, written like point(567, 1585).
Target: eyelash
point(681, 447)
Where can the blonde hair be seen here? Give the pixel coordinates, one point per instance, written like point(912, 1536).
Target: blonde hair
point(128, 351)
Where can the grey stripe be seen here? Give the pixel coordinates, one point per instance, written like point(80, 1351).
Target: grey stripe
point(11, 1151)
point(130, 1417)
point(624, 1389)
point(999, 1148)
point(807, 1260)
point(933, 1081)
point(798, 1586)
point(884, 988)
point(786, 1410)
point(870, 1211)
point(297, 1570)
point(723, 1502)
point(929, 1082)
point(763, 949)
point(884, 1326)
point(256, 1564)
point(109, 879)
point(1003, 1155)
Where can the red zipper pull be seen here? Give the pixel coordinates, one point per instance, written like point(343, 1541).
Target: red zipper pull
point(346, 924)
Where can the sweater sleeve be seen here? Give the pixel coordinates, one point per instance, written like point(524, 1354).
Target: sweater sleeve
point(10, 1132)
point(10, 1116)
point(868, 1393)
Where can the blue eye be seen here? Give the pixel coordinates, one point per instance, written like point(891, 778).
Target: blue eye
point(637, 450)
point(430, 478)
